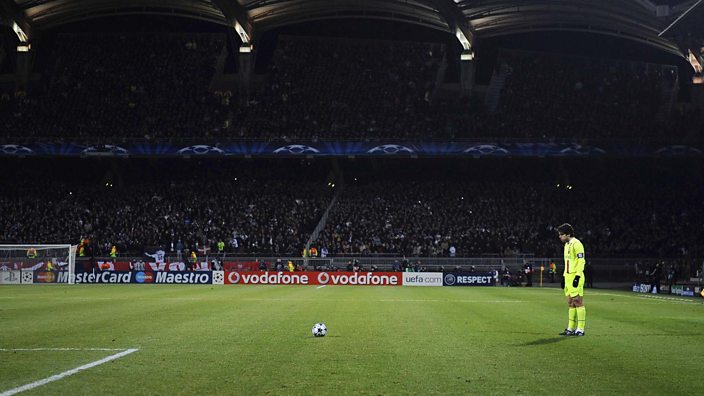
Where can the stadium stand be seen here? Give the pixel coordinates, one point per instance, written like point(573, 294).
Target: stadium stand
point(329, 88)
point(426, 218)
point(113, 86)
point(268, 213)
point(358, 89)
point(403, 209)
point(553, 96)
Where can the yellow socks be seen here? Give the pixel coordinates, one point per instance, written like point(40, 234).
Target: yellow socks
point(572, 316)
point(581, 317)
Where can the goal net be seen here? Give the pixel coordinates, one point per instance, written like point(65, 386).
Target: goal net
point(28, 264)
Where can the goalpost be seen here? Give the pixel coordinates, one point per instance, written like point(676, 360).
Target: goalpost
point(37, 263)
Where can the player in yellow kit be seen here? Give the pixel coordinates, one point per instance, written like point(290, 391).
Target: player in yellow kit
point(573, 280)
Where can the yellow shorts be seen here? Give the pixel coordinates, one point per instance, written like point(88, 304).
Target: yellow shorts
point(571, 291)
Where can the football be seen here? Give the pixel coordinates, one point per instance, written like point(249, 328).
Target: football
point(319, 330)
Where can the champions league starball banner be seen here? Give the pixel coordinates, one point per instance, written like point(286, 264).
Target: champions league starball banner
point(361, 149)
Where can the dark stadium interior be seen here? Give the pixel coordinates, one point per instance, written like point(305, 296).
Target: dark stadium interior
point(142, 84)
point(351, 197)
point(309, 84)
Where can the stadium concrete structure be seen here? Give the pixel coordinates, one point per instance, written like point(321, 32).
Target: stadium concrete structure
point(643, 21)
point(646, 22)
point(638, 20)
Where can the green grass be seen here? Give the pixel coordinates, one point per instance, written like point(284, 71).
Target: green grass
point(381, 340)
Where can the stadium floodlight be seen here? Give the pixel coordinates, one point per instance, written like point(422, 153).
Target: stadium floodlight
point(37, 263)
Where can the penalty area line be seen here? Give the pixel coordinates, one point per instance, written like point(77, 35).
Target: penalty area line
point(654, 298)
point(65, 374)
point(59, 349)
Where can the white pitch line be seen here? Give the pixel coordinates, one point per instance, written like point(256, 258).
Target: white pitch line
point(61, 349)
point(80, 298)
point(66, 373)
point(648, 296)
point(385, 300)
point(642, 296)
point(320, 287)
point(673, 299)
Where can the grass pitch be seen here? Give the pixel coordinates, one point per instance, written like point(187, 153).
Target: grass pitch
point(381, 340)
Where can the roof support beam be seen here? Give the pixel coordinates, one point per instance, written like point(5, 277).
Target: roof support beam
point(456, 20)
point(238, 17)
point(22, 26)
point(684, 14)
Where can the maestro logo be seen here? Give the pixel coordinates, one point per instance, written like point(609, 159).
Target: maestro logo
point(144, 277)
point(450, 279)
point(323, 278)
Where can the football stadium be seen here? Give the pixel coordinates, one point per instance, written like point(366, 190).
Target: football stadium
point(374, 197)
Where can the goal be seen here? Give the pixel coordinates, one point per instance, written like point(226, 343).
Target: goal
point(29, 264)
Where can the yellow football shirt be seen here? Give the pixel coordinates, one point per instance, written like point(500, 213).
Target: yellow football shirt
point(574, 258)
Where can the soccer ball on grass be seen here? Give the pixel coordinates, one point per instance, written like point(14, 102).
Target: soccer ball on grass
point(319, 330)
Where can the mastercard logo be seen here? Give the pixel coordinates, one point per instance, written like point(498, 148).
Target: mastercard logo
point(46, 277)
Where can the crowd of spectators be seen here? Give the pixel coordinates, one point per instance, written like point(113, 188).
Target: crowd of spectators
point(269, 209)
point(252, 211)
point(505, 217)
point(549, 96)
point(109, 87)
point(350, 88)
point(106, 87)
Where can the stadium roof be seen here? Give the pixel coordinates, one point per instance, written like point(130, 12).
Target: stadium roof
point(631, 19)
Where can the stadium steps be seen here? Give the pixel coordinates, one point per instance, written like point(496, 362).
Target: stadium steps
point(668, 95)
point(496, 85)
point(439, 78)
point(323, 220)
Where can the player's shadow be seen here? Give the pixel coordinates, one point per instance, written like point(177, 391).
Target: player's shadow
point(544, 341)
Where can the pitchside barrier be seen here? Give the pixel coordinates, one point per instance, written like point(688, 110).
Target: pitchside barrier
point(689, 290)
point(603, 270)
point(470, 279)
point(320, 278)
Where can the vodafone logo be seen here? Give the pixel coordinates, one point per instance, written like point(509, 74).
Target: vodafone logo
point(313, 278)
point(358, 278)
point(233, 277)
point(268, 278)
